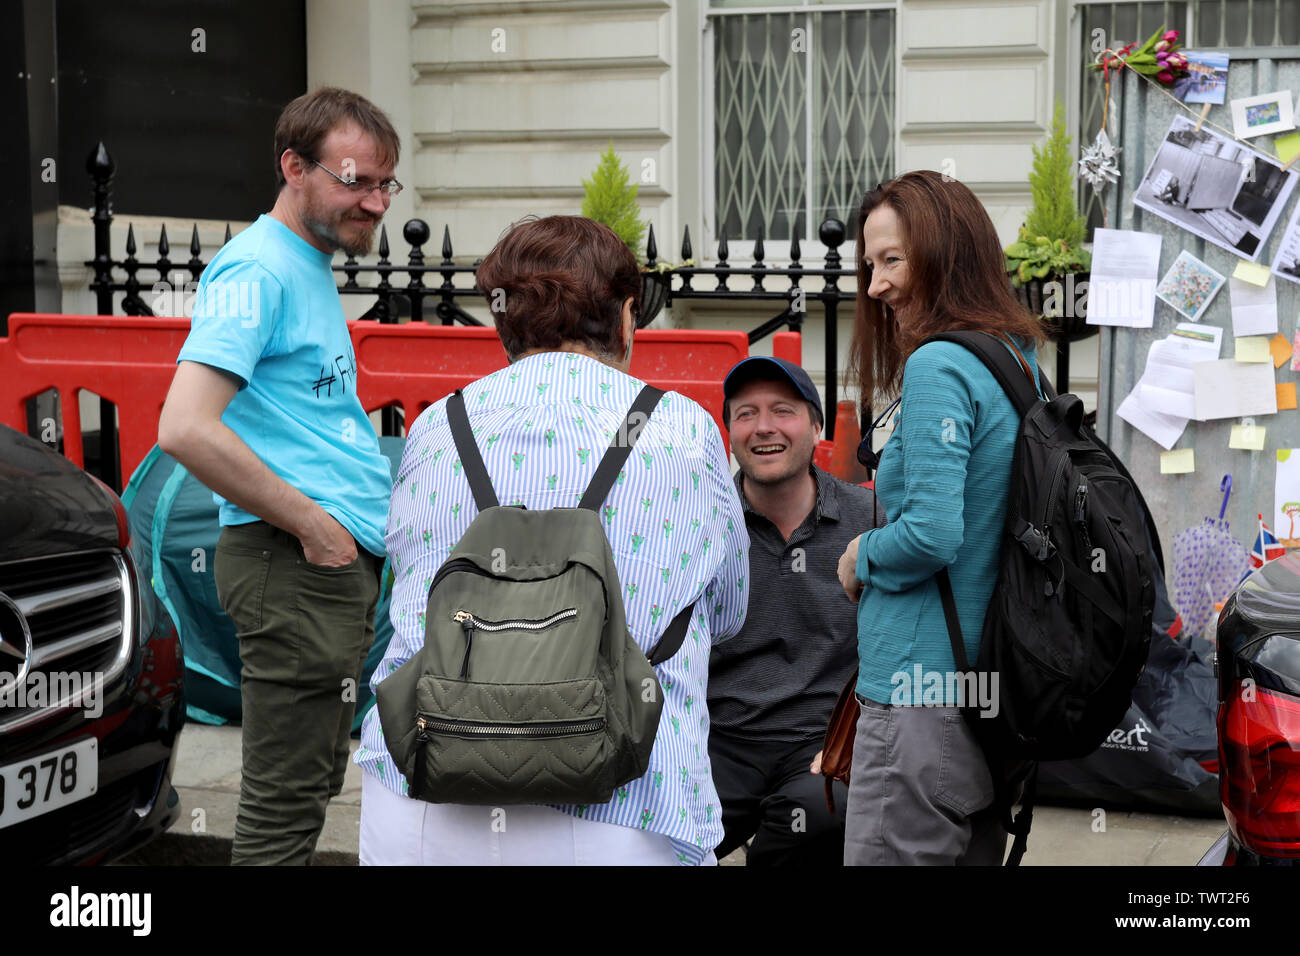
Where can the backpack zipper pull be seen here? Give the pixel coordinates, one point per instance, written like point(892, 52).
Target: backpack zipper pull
point(466, 621)
point(421, 738)
point(1081, 517)
point(1050, 587)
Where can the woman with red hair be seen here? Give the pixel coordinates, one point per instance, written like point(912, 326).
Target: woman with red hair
point(928, 261)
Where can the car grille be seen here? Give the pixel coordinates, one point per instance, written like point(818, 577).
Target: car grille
point(81, 827)
point(79, 611)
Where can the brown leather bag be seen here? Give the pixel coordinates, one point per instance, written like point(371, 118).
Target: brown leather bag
point(837, 750)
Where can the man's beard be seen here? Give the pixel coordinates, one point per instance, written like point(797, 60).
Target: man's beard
point(328, 232)
point(795, 469)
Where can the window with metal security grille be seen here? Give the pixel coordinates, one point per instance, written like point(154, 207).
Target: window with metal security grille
point(800, 108)
point(1247, 29)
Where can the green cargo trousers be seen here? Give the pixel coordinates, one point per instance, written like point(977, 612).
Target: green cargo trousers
point(304, 632)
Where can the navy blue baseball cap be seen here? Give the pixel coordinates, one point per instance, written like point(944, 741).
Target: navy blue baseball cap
point(768, 369)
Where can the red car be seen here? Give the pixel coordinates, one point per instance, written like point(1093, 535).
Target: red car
point(1258, 665)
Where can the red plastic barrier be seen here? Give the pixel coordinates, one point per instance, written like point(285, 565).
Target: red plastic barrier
point(131, 360)
point(788, 346)
point(128, 360)
point(413, 365)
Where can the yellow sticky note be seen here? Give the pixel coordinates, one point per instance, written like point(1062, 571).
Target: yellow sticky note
point(1280, 349)
point(1249, 437)
point(1288, 147)
point(1253, 348)
point(1251, 272)
point(1179, 462)
point(1285, 396)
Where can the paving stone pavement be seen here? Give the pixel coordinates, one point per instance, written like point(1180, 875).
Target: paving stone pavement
point(207, 779)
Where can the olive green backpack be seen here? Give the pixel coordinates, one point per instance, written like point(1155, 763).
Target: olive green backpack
point(529, 687)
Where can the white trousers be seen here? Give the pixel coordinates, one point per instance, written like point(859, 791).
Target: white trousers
point(399, 831)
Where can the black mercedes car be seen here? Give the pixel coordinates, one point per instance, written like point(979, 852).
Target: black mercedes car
point(90, 669)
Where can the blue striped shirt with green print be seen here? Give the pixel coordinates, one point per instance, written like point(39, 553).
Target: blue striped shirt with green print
point(676, 529)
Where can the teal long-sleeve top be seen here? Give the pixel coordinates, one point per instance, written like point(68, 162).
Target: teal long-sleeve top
point(943, 481)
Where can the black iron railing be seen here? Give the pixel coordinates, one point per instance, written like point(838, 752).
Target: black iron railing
point(410, 298)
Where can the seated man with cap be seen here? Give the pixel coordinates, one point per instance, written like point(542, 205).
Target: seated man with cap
point(772, 687)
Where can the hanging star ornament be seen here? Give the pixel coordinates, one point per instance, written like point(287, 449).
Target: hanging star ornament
point(1099, 163)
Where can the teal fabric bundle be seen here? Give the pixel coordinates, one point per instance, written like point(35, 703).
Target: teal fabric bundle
point(175, 522)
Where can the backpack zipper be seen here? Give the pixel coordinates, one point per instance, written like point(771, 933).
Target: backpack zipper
point(457, 564)
point(469, 623)
point(472, 728)
point(465, 564)
point(1043, 537)
point(463, 617)
point(1081, 516)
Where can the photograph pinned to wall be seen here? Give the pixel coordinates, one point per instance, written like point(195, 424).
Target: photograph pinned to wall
point(1258, 115)
point(1286, 263)
point(1189, 286)
point(1206, 80)
point(1214, 188)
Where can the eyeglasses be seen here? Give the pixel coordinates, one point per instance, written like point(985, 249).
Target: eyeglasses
point(866, 456)
point(389, 188)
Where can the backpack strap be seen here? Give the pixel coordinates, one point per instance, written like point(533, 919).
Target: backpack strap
point(608, 469)
point(999, 363)
point(602, 481)
point(671, 640)
point(1019, 824)
point(1010, 372)
point(1024, 821)
point(1015, 353)
point(1007, 369)
point(470, 458)
point(950, 617)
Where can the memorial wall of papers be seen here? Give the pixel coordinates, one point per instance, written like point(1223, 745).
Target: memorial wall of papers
point(1199, 284)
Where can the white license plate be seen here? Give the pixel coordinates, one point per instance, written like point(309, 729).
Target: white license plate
point(46, 782)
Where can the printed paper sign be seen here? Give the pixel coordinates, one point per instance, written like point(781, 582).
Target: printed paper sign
point(1228, 389)
point(1122, 285)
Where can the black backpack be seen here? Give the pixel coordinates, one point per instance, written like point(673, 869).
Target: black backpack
point(1068, 627)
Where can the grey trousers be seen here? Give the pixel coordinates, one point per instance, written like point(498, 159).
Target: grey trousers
point(304, 632)
point(918, 783)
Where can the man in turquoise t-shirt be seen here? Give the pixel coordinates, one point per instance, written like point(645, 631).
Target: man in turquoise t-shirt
point(264, 411)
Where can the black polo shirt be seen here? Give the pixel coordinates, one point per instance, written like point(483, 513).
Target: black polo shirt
point(779, 677)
